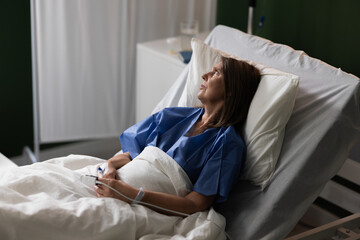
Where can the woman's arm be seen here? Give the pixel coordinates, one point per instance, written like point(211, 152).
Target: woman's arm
point(191, 203)
point(115, 163)
point(120, 160)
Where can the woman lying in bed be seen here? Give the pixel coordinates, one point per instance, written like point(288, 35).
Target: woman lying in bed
point(204, 141)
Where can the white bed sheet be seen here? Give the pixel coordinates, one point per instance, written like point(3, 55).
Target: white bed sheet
point(324, 125)
point(47, 201)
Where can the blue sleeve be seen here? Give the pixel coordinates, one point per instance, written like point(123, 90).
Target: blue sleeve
point(134, 139)
point(222, 169)
point(137, 137)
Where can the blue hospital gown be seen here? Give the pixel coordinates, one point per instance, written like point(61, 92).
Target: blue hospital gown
point(212, 160)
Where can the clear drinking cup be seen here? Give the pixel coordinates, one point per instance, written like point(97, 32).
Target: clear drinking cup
point(188, 29)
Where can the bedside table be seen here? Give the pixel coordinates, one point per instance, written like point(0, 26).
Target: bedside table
point(156, 71)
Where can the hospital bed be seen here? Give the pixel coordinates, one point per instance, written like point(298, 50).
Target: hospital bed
point(323, 126)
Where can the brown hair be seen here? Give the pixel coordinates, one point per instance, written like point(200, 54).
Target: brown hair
point(241, 82)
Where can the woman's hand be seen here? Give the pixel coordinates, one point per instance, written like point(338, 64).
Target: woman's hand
point(115, 163)
point(111, 171)
point(104, 191)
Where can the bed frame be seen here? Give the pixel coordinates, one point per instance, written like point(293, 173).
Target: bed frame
point(336, 212)
point(345, 229)
point(309, 159)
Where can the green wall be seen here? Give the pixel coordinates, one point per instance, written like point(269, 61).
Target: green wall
point(325, 29)
point(15, 81)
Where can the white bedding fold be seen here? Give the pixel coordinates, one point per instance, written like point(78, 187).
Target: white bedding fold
point(47, 201)
point(154, 170)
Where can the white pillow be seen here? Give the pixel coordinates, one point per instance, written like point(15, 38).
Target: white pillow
point(269, 111)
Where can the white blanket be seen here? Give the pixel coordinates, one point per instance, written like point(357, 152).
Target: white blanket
point(47, 201)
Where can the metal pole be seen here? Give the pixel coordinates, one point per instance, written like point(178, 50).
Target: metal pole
point(252, 4)
point(34, 81)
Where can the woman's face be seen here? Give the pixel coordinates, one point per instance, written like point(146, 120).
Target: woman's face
point(212, 90)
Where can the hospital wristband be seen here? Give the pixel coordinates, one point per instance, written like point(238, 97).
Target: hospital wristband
point(139, 196)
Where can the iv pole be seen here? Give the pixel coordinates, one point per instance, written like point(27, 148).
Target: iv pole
point(27, 153)
point(252, 4)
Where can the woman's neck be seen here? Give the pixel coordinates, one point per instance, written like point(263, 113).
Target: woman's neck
point(211, 114)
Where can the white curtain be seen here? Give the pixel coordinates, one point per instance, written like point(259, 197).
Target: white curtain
point(85, 51)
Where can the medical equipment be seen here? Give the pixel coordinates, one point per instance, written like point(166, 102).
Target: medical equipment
point(252, 5)
point(91, 181)
point(100, 172)
point(88, 180)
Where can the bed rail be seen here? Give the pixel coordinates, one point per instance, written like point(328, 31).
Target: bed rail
point(339, 199)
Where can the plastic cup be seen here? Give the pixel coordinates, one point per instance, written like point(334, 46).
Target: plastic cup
point(188, 29)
